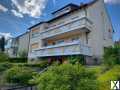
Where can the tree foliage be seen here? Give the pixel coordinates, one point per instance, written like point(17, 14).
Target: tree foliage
point(112, 55)
point(76, 59)
point(2, 44)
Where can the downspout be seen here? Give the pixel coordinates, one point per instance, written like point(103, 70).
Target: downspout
point(28, 42)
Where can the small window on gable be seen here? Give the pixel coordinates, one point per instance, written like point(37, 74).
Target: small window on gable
point(63, 11)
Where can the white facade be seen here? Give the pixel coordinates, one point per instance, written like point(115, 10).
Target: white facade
point(18, 44)
point(84, 31)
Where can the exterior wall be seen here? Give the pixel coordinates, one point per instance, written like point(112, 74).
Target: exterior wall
point(14, 47)
point(100, 28)
point(23, 42)
point(19, 44)
point(35, 39)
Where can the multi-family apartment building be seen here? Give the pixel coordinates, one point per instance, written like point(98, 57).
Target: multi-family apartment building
point(18, 45)
point(83, 29)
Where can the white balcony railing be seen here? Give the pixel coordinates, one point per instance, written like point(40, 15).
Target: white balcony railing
point(72, 25)
point(73, 48)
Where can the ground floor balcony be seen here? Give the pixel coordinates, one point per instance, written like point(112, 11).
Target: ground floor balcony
point(74, 48)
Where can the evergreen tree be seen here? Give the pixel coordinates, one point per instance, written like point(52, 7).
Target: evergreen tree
point(2, 44)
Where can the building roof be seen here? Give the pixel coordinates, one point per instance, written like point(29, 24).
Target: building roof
point(72, 5)
point(21, 35)
point(36, 25)
point(68, 5)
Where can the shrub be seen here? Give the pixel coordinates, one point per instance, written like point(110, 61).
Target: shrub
point(5, 66)
point(23, 54)
point(3, 57)
point(66, 77)
point(39, 65)
point(98, 70)
point(17, 60)
point(76, 59)
point(112, 56)
point(18, 75)
point(112, 74)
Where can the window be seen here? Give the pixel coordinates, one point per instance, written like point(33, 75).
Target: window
point(60, 41)
point(35, 32)
point(53, 43)
point(110, 33)
point(75, 39)
point(45, 44)
point(63, 11)
point(34, 46)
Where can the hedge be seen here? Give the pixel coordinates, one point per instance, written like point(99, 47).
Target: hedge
point(5, 66)
point(19, 75)
point(17, 60)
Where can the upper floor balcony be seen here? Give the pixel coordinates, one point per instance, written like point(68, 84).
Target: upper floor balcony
point(81, 25)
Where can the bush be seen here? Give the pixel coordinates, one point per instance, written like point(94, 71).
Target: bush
point(3, 57)
point(17, 60)
point(112, 74)
point(66, 77)
point(23, 54)
point(18, 75)
point(112, 56)
point(76, 59)
point(98, 70)
point(39, 65)
point(5, 66)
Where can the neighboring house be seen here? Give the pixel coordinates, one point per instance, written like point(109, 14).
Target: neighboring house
point(19, 44)
point(75, 30)
point(8, 49)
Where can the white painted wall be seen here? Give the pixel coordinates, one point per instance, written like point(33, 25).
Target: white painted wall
point(96, 37)
point(23, 42)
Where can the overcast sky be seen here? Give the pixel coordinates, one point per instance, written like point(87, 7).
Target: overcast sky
point(18, 15)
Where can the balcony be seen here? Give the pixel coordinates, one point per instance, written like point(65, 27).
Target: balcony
point(82, 24)
point(74, 48)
